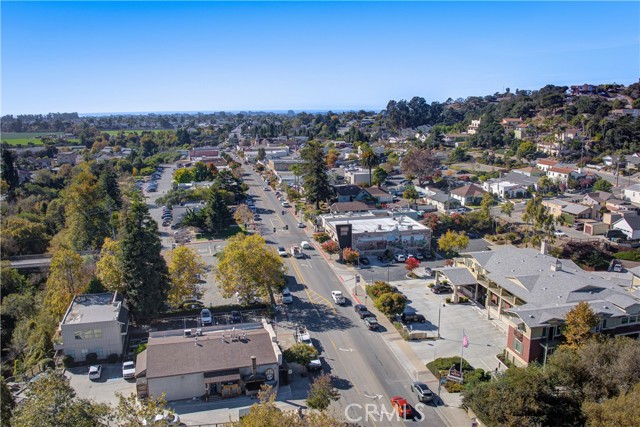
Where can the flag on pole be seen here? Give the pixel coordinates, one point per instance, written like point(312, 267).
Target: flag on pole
point(465, 341)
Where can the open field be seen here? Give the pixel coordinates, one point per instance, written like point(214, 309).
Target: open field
point(24, 138)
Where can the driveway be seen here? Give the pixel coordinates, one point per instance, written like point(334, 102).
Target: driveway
point(486, 338)
point(103, 390)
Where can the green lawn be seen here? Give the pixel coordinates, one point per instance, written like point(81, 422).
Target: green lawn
point(24, 138)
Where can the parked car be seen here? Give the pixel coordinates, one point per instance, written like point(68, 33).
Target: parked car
point(266, 188)
point(364, 260)
point(441, 289)
point(128, 370)
point(422, 391)
point(285, 204)
point(205, 317)
point(166, 419)
point(383, 259)
point(616, 266)
point(366, 313)
point(359, 307)
point(428, 272)
point(473, 235)
point(559, 233)
point(287, 298)
point(282, 251)
point(400, 258)
point(401, 405)
point(235, 317)
point(371, 323)
point(95, 372)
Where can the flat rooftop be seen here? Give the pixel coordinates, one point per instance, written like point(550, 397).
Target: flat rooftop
point(375, 224)
point(92, 308)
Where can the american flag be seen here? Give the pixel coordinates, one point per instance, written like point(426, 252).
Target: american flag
point(465, 341)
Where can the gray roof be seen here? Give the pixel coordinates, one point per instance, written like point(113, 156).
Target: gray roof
point(91, 308)
point(349, 207)
point(632, 220)
point(440, 197)
point(458, 276)
point(347, 190)
point(575, 209)
point(527, 274)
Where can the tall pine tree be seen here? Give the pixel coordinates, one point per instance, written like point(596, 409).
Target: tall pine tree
point(9, 172)
point(109, 184)
point(315, 178)
point(217, 214)
point(146, 280)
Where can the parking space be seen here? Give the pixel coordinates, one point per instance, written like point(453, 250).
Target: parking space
point(103, 390)
point(486, 337)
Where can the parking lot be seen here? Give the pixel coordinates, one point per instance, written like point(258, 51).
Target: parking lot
point(486, 337)
point(103, 390)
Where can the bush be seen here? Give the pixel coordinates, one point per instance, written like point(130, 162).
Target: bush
point(321, 237)
point(628, 256)
point(454, 387)
point(445, 363)
point(448, 300)
point(67, 361)
point(300, 353)
point(431, 285)
point(391, 303)
point(46, 364)
point(91, 358)
point(379, 288)
point(463, 300)
point(113, 358)
point(141, 348)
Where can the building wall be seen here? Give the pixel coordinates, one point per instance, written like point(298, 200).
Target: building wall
point(178, 387)
point(404, 240)
point(632, 195)
point(110, 342)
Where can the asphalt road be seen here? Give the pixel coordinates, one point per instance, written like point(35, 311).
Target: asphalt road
point(366, 371)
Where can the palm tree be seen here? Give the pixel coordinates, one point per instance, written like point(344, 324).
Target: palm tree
point(368, 158)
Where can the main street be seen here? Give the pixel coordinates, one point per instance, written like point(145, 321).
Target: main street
point(366, 371)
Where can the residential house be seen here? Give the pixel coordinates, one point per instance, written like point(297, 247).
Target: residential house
point(629, 224)
point(523, 131)
point(528, 171)
point(614, 160)
point(511, 185)
point(532, 292)
point(379, 195)
point(546, 164)
point(510, 123)
point(633, 112)
point(277, 165)
point(93, 323)
point(201, 153)
point(468, 194)
point(558, 207)
point(615, 205)
point(349, 193)
point(632, 162)
point(442, 201)
point(596, 199)
point(585, 89)
point(632, 193)
point(373, 235)
point(215, 361)
point(67, 158)
point(559, 174)
point(344, 207)
point(472, 129)
point(454, 139)
point(552, 148)
point(359, 176)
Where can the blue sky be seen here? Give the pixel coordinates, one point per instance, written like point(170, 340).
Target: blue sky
point(210, 56)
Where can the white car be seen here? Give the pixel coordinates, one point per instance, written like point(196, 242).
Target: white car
point(559, 233)
point(301, 225)
point(282, 251)
point(338, 298)
point(400, 258)
point(205, 317)
point(167, 419)
point(128, 370)
point(287, 298)
point(95, 372)
point(285, 204)
point(305, 245)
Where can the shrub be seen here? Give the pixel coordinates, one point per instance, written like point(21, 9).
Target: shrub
point(321, 237)
point(112, 358)
point(350, 256)
point(67, 361)
point(445, 363)
point(454, 387)
point(300, 353)
point(379, 288)
point(46, 364)
point(448, 300)
point(91, 358)
point(141, 348)
point(391, 303)
point(628, 256)
point(463, 300)
point(431, 285)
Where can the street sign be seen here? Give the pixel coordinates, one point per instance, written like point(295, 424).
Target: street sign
point(357, 279)
point(443, 380)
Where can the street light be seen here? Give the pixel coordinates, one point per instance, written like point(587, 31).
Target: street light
point(440, 305)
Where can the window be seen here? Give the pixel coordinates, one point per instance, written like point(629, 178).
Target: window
point(522, 327)
point(78, 335)
point(624, 320)
point(84, 352)
point(100, 353)
point(517, 346)
point(97, 333)
point(88, 334)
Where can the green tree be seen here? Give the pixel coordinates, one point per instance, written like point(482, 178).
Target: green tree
point(300, 353)
point(66, 279)
point(12, 281)
point(109, 185)
point(379, 176)
point(132, 412)
point(110, 266)
point(9, 173)
point(411, 194)
point(421, 163)
point(51, 402)
point(8, 403)
point(145, 270)
point(262, 154)
point(490, 133)
point(94, 286)
point(217, 213)
point(21, 236)
point(579, 322)
point(485, 205)
point(507, 208)
point(185, 268)
point(248, 267)
point(527, 150)
point(452, 242)
point(315, 178)
point(368, 158)
point(541, 222)
point(620, 411)
point(322, 393)
point(602, 185)
point(183, 176)
point(391, 303)
point(458, 154)
point(201, 172)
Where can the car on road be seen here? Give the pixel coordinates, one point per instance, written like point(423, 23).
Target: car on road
point(371, 323)
point(256, 217)
point(266, 188)
point(441, 289)
point(400, 258)
point(235, 317)
point(363, 260)
point(338, 298)
point(422, 391)
point(559, 233)
point(616, 266)
point(282, 251)
point(205, 317)
point(287, 298)
point(315, 364)
point(128, 370)
point(401, 405)
point(301, 225)
point(359, 307)
point(305, 245)
point(366, 313)
point(95, 372)
point(285, 204)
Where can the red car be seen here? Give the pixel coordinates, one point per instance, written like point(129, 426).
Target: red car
point(402, 406)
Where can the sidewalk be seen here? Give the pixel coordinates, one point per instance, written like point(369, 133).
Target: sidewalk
point(450, 406)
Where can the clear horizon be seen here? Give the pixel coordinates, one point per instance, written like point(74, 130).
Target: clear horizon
point(124, 57)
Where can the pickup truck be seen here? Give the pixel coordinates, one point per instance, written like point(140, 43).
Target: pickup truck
point(338, 298)
point(302, 336)
point(296, 252)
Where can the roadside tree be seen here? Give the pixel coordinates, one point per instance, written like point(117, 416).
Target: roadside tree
point(391, 303)
point(350, 256)
point(248, 267)
point(452, 242)
point(411, 264)
point(314, 173)
point(331, 247)
point(185, 267)
point(243, 215)
point(322, 393)
point(300, 353)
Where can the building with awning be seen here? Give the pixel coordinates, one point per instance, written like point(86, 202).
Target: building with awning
point(209, 362)
point(461, 280)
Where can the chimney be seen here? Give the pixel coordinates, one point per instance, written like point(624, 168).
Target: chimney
point(379, 226)
point(254, 365)
point(543, 247)
point(557, 266)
